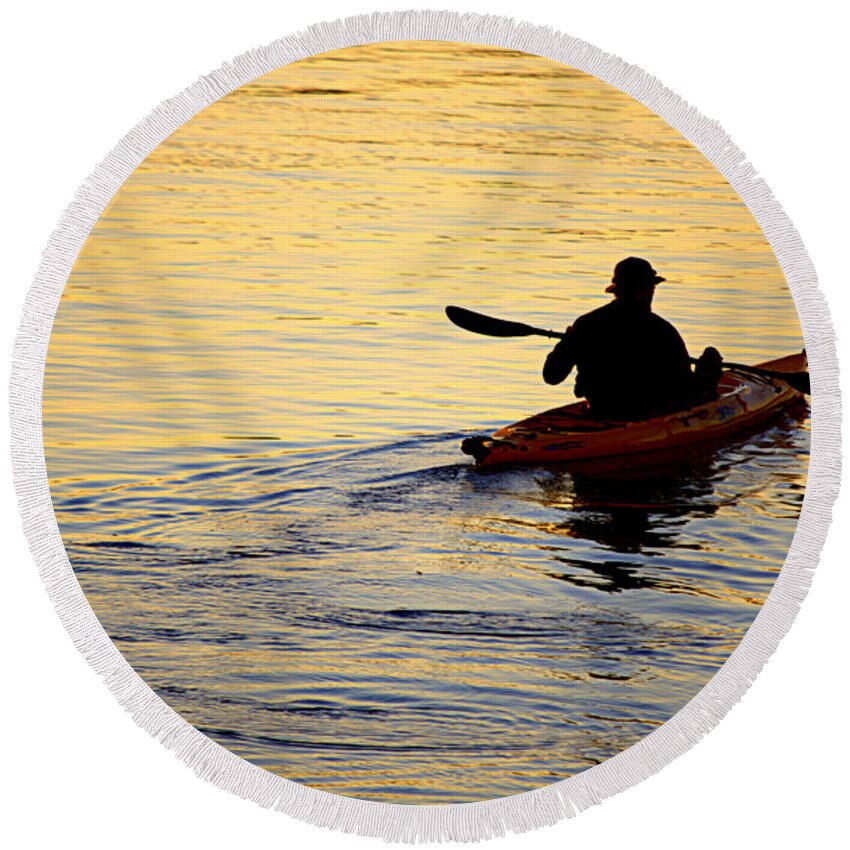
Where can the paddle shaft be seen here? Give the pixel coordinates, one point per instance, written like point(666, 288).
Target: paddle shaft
point(490, 326)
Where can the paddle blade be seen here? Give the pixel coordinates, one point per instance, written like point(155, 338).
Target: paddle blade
point(798, 381)
point(487, 325)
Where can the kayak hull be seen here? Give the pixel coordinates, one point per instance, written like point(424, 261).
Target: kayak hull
point(569, 433)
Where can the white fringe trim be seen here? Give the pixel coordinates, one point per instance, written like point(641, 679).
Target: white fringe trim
point(412, 823)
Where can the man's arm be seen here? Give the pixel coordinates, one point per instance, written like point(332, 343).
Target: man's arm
point(561, 360)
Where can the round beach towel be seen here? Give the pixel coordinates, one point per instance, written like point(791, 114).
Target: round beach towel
point(425, 410)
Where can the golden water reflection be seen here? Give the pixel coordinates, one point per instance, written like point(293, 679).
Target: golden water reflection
point(253, 403)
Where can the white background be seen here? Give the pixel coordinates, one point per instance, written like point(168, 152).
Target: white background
point(75, 769)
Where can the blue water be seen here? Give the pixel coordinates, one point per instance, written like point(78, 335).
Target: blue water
point(391, 623)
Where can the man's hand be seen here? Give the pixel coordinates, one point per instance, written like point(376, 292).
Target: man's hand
point(559, 363)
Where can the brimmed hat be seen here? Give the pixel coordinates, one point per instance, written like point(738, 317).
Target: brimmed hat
point(633, 270)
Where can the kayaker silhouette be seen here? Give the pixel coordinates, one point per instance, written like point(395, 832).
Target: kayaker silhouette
point(632, 364)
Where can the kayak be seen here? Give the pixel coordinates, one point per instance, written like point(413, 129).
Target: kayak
point(570, 433)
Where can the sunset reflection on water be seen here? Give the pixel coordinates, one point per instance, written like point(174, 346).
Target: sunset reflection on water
point(253, 404)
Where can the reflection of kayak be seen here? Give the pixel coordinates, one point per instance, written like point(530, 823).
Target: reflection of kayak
point(570, 433)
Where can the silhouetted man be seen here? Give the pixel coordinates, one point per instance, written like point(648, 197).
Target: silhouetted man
point(632, 364)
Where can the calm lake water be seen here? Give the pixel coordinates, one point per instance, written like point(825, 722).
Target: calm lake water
point(253, 405)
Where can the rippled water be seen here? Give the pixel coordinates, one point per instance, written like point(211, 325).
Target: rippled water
point(253, 405)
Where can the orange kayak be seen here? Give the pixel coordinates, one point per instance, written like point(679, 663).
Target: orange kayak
point(569, 433)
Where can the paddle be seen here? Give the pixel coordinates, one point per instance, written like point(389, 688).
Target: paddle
point(489, 326)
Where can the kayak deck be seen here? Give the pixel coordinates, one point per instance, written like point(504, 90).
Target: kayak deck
point(570, 433)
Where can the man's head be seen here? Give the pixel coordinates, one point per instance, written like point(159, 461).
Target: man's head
point(634, 280)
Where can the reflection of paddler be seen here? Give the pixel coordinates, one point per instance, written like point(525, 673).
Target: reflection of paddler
point(632, 364)
point(644, 504)
point(631, 510)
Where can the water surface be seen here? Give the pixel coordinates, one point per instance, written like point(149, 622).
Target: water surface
point(253, 405)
